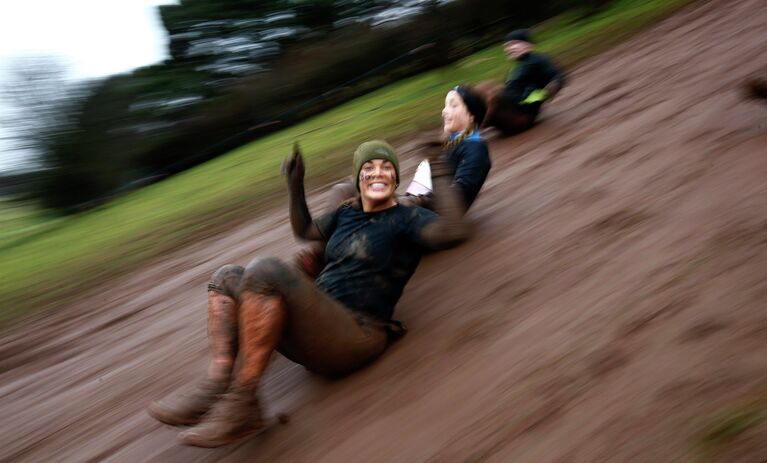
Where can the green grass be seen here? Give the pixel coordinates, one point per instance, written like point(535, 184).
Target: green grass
point(19, 221)
point(723, 429)
point(44, 261)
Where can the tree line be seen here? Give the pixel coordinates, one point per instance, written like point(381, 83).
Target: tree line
point(240, 69)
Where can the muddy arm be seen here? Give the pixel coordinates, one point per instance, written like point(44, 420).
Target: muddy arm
point(552, 89)
point(300, 218)
point(557, 81)
point(417, 201)
point(448, 229)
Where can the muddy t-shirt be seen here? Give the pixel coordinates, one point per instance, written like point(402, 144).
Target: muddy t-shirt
point(371, 256)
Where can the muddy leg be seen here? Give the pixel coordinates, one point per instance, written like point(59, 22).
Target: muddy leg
point(509, 119)
point(340, 193)
point(261, 323)
point(319, 332)
point(490, 91)
point(222, 321)
point(504, 115)
point(188, 408)
point(280, 307)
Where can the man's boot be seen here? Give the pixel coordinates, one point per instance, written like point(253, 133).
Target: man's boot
point(238, 414)
point(188, 408)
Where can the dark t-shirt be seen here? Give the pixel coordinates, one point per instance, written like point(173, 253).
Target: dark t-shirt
point(533, 71)
point(371, 256)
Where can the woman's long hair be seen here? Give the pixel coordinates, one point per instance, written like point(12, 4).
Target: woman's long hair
point(450, 143)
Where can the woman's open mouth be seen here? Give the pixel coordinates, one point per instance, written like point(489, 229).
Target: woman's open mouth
point(378, 186)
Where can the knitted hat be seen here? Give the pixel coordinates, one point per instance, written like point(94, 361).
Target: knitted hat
point(474, 103)
point(519, 34)
point(376, 149)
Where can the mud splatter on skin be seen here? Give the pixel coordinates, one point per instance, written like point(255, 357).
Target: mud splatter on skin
point(365, 176)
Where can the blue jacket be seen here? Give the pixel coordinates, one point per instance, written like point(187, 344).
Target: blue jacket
point(471, 160)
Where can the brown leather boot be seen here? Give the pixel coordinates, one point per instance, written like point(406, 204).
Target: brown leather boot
point(189, 407)
point(236, 415)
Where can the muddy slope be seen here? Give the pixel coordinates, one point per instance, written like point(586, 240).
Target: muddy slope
point(610, 308)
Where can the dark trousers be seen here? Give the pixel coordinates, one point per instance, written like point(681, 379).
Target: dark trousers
point(320, 333)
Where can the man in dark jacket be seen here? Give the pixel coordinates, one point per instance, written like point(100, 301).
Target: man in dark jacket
point(514, 107)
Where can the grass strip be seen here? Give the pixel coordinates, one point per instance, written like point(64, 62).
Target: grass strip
point(57, 259)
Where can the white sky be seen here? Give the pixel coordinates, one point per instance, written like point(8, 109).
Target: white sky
point(94, 37)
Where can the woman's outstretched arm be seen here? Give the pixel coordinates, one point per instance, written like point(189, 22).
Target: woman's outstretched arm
point(300, 218)
point(448, 229)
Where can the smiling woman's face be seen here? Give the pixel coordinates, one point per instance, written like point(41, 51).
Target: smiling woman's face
point(377, 180)
point(455, 114)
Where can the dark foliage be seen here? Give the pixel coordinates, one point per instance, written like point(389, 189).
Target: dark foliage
point(242, 68)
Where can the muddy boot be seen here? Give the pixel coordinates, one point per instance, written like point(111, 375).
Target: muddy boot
point(188, 408)
point(236, 415)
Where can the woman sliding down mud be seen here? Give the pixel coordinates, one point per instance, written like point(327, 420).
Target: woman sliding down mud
point(464, 150)
point(334, 325)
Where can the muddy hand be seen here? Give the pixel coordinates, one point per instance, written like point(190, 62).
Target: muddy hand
point(431, 149)
point(441, 168)
point(293, 167)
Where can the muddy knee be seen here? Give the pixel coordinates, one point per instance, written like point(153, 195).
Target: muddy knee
point(267, 276)
point(226, 280)
point(488, 89)
point(339, 193)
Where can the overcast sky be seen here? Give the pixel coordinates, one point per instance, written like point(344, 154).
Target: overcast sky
point(93, 37)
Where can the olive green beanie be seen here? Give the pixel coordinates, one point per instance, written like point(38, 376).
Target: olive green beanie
point(376, 149)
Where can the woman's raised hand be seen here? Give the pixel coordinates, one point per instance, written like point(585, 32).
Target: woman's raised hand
point(293, 167)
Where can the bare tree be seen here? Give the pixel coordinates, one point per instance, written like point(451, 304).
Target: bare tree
point(34, 92)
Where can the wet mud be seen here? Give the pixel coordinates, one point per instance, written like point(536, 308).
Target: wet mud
point(610, 307)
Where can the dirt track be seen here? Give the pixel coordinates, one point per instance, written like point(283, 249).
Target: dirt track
point(611, 305)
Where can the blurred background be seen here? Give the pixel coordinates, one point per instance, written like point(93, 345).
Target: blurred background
point(610, 306)
point(111, 97)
